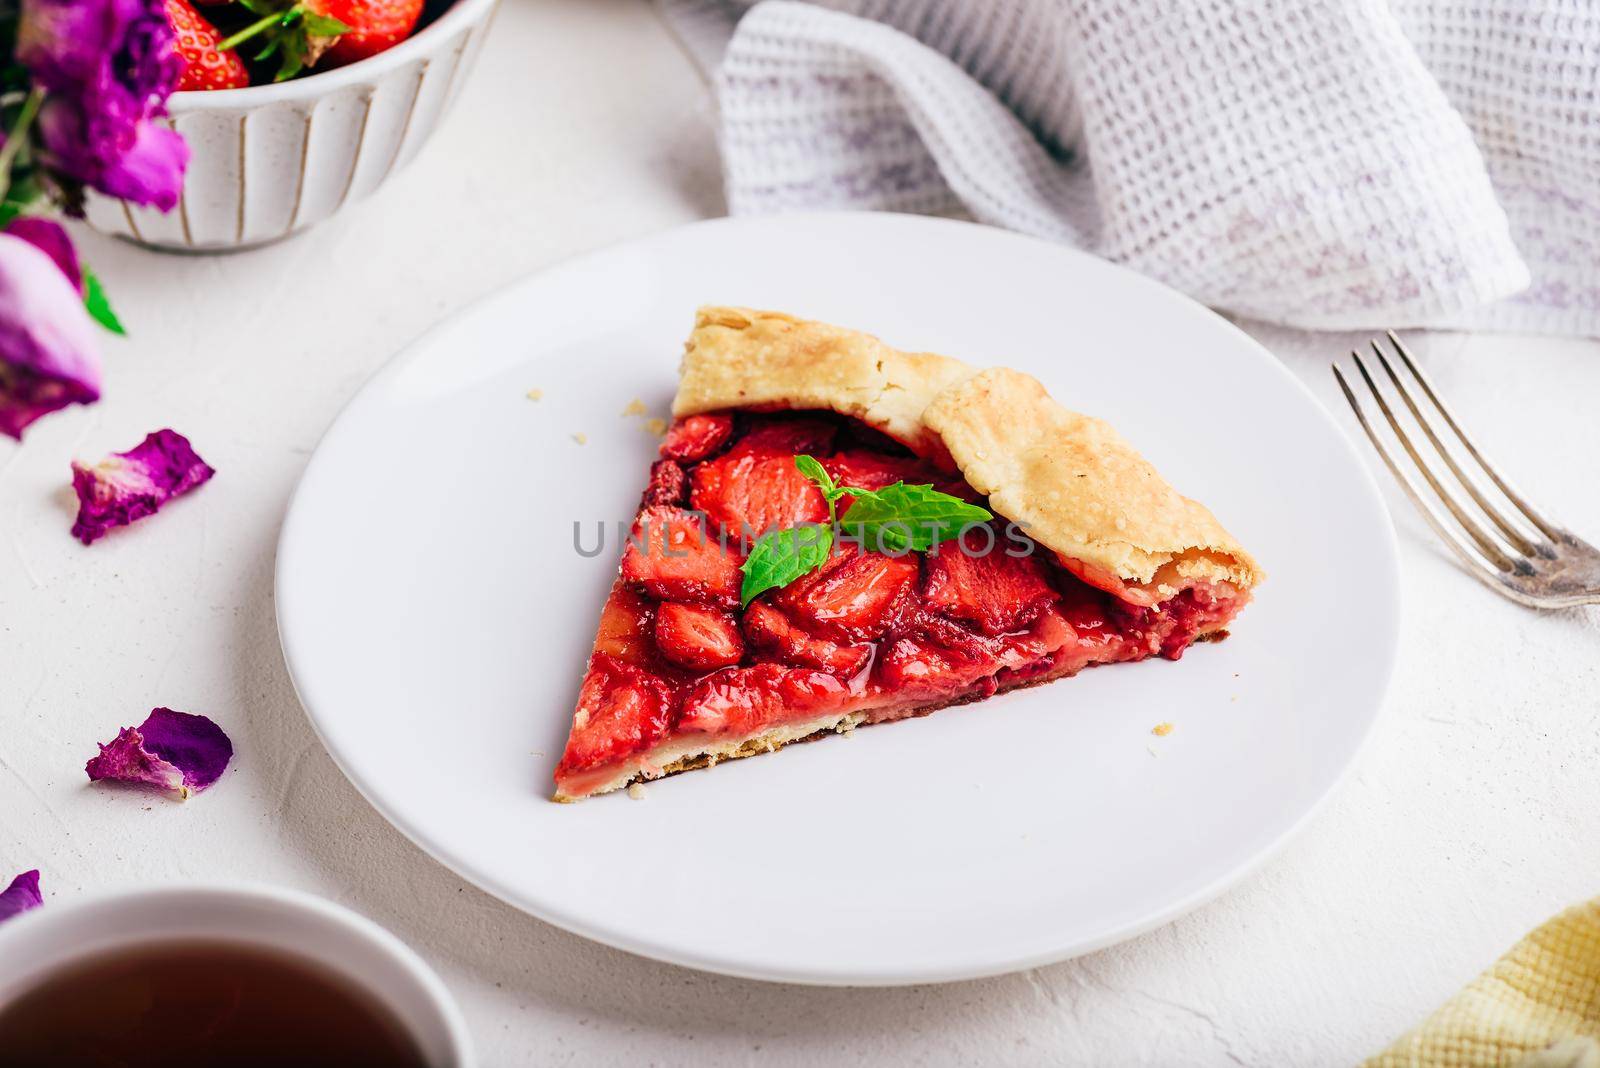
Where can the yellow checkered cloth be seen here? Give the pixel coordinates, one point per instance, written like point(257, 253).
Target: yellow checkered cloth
point(1538, 1007)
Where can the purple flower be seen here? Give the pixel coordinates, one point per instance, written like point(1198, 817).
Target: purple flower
point(48, 354)
point(50, 237)
point(127, 486)
point(108, 67)
point(22, 895)
point(170, 750)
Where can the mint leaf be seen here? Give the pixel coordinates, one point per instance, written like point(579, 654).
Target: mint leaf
point(783, 556)
point(902, 518)
point(813, 469)
point(98, 304)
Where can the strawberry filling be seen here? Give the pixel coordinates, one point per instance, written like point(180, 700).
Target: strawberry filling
point(677, 665)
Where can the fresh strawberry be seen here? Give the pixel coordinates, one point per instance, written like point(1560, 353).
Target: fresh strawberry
point(755, 488)
point(855, 595)
point(695, 437)
point(673, 557)
point(375, 26)
point(621, 710)
point(744, 700)
point(697, 637)
point(994, 592)
point(205, 66)
point(770, 630)
point(669, 484)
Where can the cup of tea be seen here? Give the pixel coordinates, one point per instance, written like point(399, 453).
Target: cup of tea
point(200, 976)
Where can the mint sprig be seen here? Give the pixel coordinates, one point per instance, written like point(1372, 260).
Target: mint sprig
point(897, 519)
point(782, 556)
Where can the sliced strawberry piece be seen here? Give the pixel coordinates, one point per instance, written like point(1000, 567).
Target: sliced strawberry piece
point(746, 700)
point(697, 637)
point(695, 437)
point(621, 710)
point(672, 557)
point(754, 488)
point(875, 470)
point(789, 435)
point(855, 596)
point(669, 484)
point(626, 626)
point(995, 592)
point(919, 666)
point(772, 631)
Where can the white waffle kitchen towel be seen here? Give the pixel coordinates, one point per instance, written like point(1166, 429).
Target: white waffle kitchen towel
point(1325, 163)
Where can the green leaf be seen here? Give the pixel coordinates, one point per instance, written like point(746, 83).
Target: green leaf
point(783, 556)
point(294, 57)
point(812, 469)
point(324, 25)
point(98, 304)
point(902, 517)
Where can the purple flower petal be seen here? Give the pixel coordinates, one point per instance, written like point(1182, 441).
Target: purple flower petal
point(50, 237)
point(48, 353)
point(22, 895)
point(109, 66)
point(170, 750)
point(150, 170)
point(126, 486)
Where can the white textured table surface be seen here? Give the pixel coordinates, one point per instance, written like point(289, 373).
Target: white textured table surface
point(1471, 816)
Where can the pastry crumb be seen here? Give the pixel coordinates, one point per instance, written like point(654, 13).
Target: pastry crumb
point(581, 438)
point(1161, 730)
point(535, 394)
point(635, 407)
point(1151, 750)
point(636, 791)
point(656, 426)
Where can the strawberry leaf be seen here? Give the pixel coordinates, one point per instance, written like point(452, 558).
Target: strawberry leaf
point(901, 517)
point(783, 556)
point(324, 25)
point(98, 304)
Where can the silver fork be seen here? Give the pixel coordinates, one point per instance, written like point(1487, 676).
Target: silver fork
point(1517, 553)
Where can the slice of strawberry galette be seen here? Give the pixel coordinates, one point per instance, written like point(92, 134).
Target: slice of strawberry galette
point(840, 534)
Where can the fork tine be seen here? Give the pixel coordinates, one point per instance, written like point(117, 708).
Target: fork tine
point(1476, 565)
point(1519, 540)
point(1548, 529)
point(1488, 553)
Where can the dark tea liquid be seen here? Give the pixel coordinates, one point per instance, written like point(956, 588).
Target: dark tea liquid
point(201, 1005)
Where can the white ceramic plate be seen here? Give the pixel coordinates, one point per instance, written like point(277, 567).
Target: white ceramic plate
point(436, 619)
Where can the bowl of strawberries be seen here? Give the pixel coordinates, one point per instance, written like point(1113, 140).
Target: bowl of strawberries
point(294, 108)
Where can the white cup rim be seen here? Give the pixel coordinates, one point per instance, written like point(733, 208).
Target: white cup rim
point(53, 925)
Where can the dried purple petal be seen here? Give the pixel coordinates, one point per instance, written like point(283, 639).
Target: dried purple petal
point(174, 751)
point(126, 486)
point(22, 895)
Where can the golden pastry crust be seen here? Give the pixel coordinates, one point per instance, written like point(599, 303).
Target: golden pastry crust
point(1077, 486)
point(1074, 484)
point(739, 358)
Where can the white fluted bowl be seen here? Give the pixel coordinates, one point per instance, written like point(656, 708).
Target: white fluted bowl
point(273, 159)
